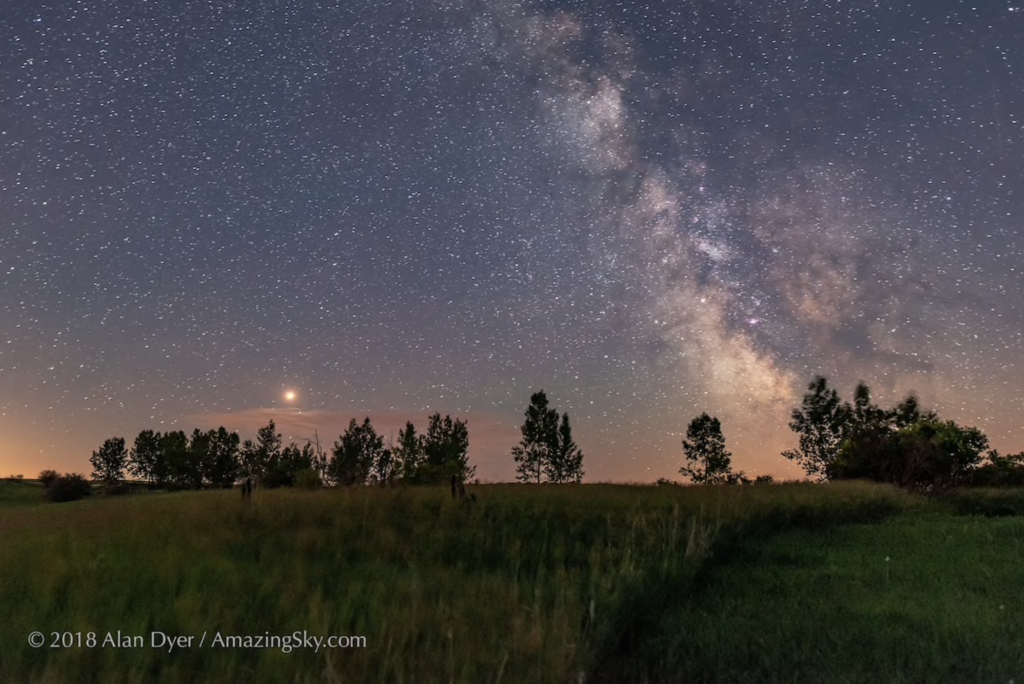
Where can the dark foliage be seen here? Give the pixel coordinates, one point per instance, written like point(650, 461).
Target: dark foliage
point(547, 449)
point(445, 450)
point(48, 477)
point(906, 445)
point(707, 461)
point(355, 453)
point(540, 434)
point(566, 462)
point(1000, 471)
point(283, 468)
point(821, 424)
point(110, 462)
point(925, 455)
point(69, 487)
point(408, 455)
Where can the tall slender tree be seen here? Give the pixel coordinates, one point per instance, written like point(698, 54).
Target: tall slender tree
point(146, 460)
point(540, 434)
point(566, 461)
point(707, 461)
point(175, 459)
point(197, 455)
point(409, 454)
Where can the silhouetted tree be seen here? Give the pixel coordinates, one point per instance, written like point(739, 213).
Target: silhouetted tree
point(146, 460)
point(821, 423)
point(408, 455)
point(222, 460)
point(565, 463)
point(864, 415)
point(1000, 471)
point(906, 446)
point(908, 412)
point(250, 466)
point(110, 462)
point(383, 470)
point(284, 468)
point(307, 462)
point(268, 445)
point(445, 450)
point(939, 454)
point(707, 461)
point(318, 458)
point(208, 458)
point(870, 453)
point(198, 453)
point(355, 454)
point(540, 435)
point(255, 458)
point(174, 459)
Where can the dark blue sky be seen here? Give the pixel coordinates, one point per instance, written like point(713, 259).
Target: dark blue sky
point(401, 208)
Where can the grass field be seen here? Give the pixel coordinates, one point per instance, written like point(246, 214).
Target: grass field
point(19, 493)
point(527, 584)
point(925, 598)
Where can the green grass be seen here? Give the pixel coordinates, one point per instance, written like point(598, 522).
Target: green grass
point(925, 598)
point(18, 493)
point(529, 584)
point(987, 502)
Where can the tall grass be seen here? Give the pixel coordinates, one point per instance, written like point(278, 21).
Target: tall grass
point(17, 493)
point(916, 599)
point(527, 584)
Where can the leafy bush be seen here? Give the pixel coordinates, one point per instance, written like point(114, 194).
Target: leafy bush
point(307, 479)
point(48, 477)
point(69, 487)
point(1000, 471)
point(925, 455)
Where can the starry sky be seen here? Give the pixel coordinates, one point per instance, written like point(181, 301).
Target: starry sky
point(650, 210)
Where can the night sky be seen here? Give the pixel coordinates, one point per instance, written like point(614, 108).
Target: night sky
point(650, 210)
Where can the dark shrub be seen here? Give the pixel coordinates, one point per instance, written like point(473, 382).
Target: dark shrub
point(926, 455)
point(48, 477)
point(1000, 471)
point(307, 478)
point(70, 487)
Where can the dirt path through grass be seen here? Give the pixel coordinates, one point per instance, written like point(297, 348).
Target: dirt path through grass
point(923, 598)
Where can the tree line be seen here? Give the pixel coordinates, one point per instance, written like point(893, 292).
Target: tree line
point(219, 459)
point(905, 445)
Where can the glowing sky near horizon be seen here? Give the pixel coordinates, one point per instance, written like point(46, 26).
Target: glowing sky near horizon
point(651, 210)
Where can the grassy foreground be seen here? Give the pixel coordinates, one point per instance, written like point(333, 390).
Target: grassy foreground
point(926, 598)
point(527, 584)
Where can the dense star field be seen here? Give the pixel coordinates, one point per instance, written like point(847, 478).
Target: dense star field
point(396, 208)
